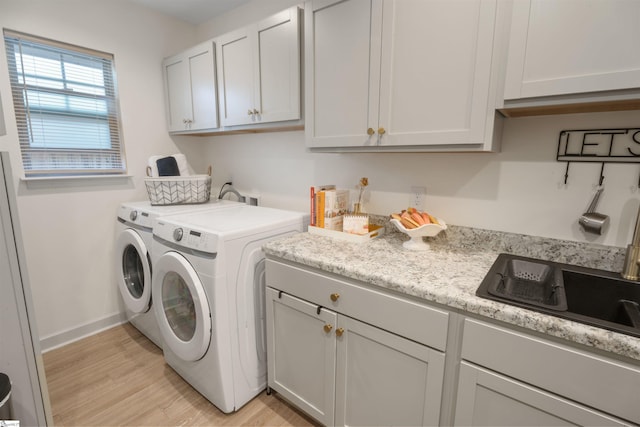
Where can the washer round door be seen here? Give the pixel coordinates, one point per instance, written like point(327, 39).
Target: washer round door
point(182, 308)
point(134, 271)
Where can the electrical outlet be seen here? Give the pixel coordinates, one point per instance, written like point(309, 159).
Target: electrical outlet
point(252, 199)
point(417, 197)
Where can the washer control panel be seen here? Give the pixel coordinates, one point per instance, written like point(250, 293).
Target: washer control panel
point(133, 215)
point(186, 237)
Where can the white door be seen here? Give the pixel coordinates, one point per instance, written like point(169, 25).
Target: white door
point(342, 101)
point(572, 46)
point(302, 353)
point(385, 379)
point(190, 86)
point(133, 269)
point(182, 308)
point(436, 70)
point(486, 398)
point(236, 77)
point(178, 93)
point(203, 87)
point(278, 68)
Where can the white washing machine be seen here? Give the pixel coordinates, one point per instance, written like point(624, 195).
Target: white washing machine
point(209, 287)
point(133, 258)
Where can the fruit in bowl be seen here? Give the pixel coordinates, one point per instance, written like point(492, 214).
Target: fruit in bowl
point(417, 224)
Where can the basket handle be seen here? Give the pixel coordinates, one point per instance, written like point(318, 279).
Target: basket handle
point(148, 171)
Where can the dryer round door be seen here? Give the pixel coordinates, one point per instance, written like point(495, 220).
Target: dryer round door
point(182, 308)
point(134, 271)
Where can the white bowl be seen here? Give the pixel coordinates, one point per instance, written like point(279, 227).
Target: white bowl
point(416, 243)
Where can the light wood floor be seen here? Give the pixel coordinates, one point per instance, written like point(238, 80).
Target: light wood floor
point(118, 377)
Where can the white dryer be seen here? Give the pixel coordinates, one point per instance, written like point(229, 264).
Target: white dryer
point(209, 286)
point(133, 259)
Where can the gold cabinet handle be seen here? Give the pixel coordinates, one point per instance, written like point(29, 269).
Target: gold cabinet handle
point(370, 131)
point(381, 131)
point(339, 332)
point(256, 111)
point(334, 297)
point(328, 328)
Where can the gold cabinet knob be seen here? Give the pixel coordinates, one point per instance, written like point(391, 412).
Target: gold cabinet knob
point(370, 131)
point(328, 328)
point(381, 131)
point(339, 332)
point(249, 112)
point(334, 297)
point(256, 111)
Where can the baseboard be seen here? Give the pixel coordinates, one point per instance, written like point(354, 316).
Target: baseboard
point(74, 334)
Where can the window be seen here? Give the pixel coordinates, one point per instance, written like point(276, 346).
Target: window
point(66, 107)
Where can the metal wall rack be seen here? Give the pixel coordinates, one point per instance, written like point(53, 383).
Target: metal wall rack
point(599, 146)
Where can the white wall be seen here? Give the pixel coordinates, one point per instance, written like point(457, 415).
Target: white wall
point(68, 227)
point(521, 189)
point(247, 13)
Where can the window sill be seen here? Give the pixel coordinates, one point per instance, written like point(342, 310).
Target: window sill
point(74, 181)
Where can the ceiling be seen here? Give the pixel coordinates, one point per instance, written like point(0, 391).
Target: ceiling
point(192, 11)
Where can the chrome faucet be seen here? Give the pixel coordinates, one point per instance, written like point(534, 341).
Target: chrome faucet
point(632, 259)
point(240, 197)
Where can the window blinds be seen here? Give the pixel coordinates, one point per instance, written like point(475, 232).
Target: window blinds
point(66, 107)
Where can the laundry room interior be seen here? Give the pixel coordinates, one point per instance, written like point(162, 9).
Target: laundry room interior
point(510, 182)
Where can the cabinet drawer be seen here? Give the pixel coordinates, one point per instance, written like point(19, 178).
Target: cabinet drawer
point(605, 384)
point(395, 314)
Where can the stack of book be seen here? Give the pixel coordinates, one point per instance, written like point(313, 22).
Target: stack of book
point(328, 206)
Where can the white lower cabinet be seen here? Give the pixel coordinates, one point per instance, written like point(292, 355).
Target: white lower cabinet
point(385, 379)
point(508, 378)
point(348, 353)
point(301, 354)
point(341, 370)
point(486, 398)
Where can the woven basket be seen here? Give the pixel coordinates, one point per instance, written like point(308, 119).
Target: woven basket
point(179, 190)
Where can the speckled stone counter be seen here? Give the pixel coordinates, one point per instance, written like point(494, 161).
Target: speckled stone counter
point(452, 269)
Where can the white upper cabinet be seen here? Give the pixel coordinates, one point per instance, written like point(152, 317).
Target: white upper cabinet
point(190, 90)
point(573, 46)
point(401, 75)
point(259, 71)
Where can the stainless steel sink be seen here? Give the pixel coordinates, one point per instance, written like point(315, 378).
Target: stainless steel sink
point(594, 297)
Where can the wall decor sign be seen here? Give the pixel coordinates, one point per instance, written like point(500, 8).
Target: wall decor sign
point(599, 146)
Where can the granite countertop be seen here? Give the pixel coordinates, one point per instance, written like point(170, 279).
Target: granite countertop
point(452, 269)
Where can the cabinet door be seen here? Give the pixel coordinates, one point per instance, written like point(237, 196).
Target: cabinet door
point(573, 46)
point(342, 72)
point(236, 77)
point(301, 353)
point(278, 68)
point(384, 379)
point(414, 73)
point(202, 76)
point(486, 398)
point(436, 71)
point(177, 93)
point(190, 85)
